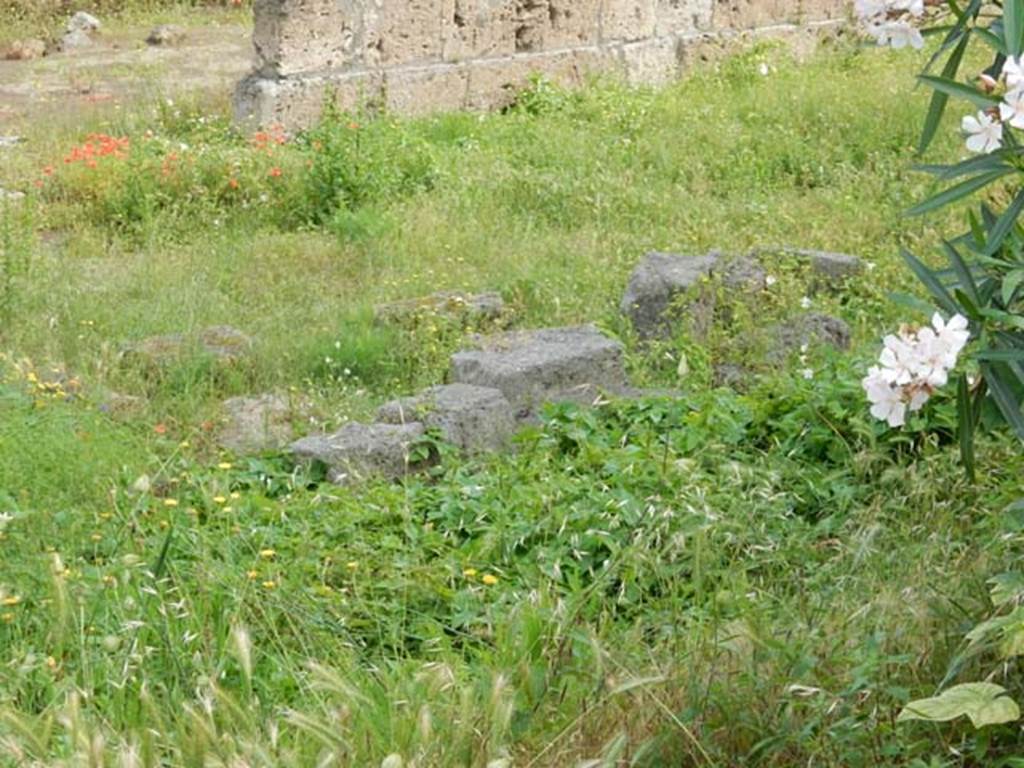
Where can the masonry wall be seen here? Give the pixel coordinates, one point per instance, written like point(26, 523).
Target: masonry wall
point(420, 56)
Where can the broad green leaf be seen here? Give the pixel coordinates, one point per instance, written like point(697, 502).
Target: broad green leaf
point(960, 90)
point(1013, 25)
point(983, 703)
point(959, 191)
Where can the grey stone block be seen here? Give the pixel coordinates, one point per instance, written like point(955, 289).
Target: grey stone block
point(359, 452)
point(256, 425)
point(541, 366)
point(657, 285)
point(475, 419)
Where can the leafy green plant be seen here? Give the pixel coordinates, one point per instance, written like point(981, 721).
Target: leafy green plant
point(984, 277)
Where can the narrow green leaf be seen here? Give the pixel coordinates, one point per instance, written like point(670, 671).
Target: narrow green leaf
point(989, 162)
point(1000, 355)
point(1011, 282)
point(994, 41)
point(1013, 25)
point(960, 90)
point(931, 282)
point(965, 430)
point(1005, 224)
point(1007, 401)
point(963, 272)
point(958, 192)
point(939, 98)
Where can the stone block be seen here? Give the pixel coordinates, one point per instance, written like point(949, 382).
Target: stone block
point(474, 419)
point(298, 102)
point(293, 36)
point(542, 366)
point(651, 62)
point(450, 305)
point(494, 84)
point(751, 14)
point(657, 287)
point(682, 17)
point(360, 452)
point(255, 425)
point(573, 23)
point(627, 20)
point(437, 88)
point(824, 10)
point(402, 32)
point(473, 29)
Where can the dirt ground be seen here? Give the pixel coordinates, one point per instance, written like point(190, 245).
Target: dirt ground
point(120, 68)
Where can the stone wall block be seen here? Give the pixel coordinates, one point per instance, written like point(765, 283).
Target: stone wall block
point(750, 14)
point(296, 36)
point(683, 17)
point(422, 91)
point(474, 29)
point(627, 20)
point(402, 31)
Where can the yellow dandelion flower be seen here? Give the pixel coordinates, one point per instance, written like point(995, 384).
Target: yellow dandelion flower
point(352, 565)
point(219, 500)
point(236, 495)
point(7, 617)
point(252, 575)
point(266, 554)
point(489, 579)
point(269, 584)
point(12, 600)
point(97, 537)
point(225, 465)
point(469, 573)
point(228, 509)
point(170, 502)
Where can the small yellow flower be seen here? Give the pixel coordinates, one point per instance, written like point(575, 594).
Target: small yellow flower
point(236, 495)
point(183, 444)
point(469, 573)
point(489, 579)
point(269, 584)
point(12, 600)
point(7, 618)
point(51, 662)
point(225, 465)
point(252, 575)
point(352, 565)
point(228, 509)
point(219, 499)
point(97, 537)
point(170, 502)
point(266, 554)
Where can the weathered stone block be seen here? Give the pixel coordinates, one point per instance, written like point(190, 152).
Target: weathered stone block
point(292, 36)
point(657, 286)
point(652, 62)
point(749, 14)
point(299, 101)
point(359, 452)
point(812, 329)
point(451, 305)
point(473, 29)
point(573, 23)
point(682, 17)
point(255, 425)
point(403, 32)
point(475, 419)
point(494, 84)
point(824, 10)
point(627, 20)
point(437, 88)
point(541, 366)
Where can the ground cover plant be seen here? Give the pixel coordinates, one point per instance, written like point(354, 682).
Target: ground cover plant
point(756, 578)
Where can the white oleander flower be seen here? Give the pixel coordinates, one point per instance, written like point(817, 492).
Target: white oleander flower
point(912, 365)
point(984, 133)
point(1013, 71)
point(1011, 110)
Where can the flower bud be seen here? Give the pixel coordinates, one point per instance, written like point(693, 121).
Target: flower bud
point(987, 82)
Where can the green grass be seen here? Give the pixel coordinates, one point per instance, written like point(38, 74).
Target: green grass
point(757, 579)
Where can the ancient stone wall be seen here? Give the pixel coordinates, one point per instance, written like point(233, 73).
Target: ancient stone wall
point(419, 56)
